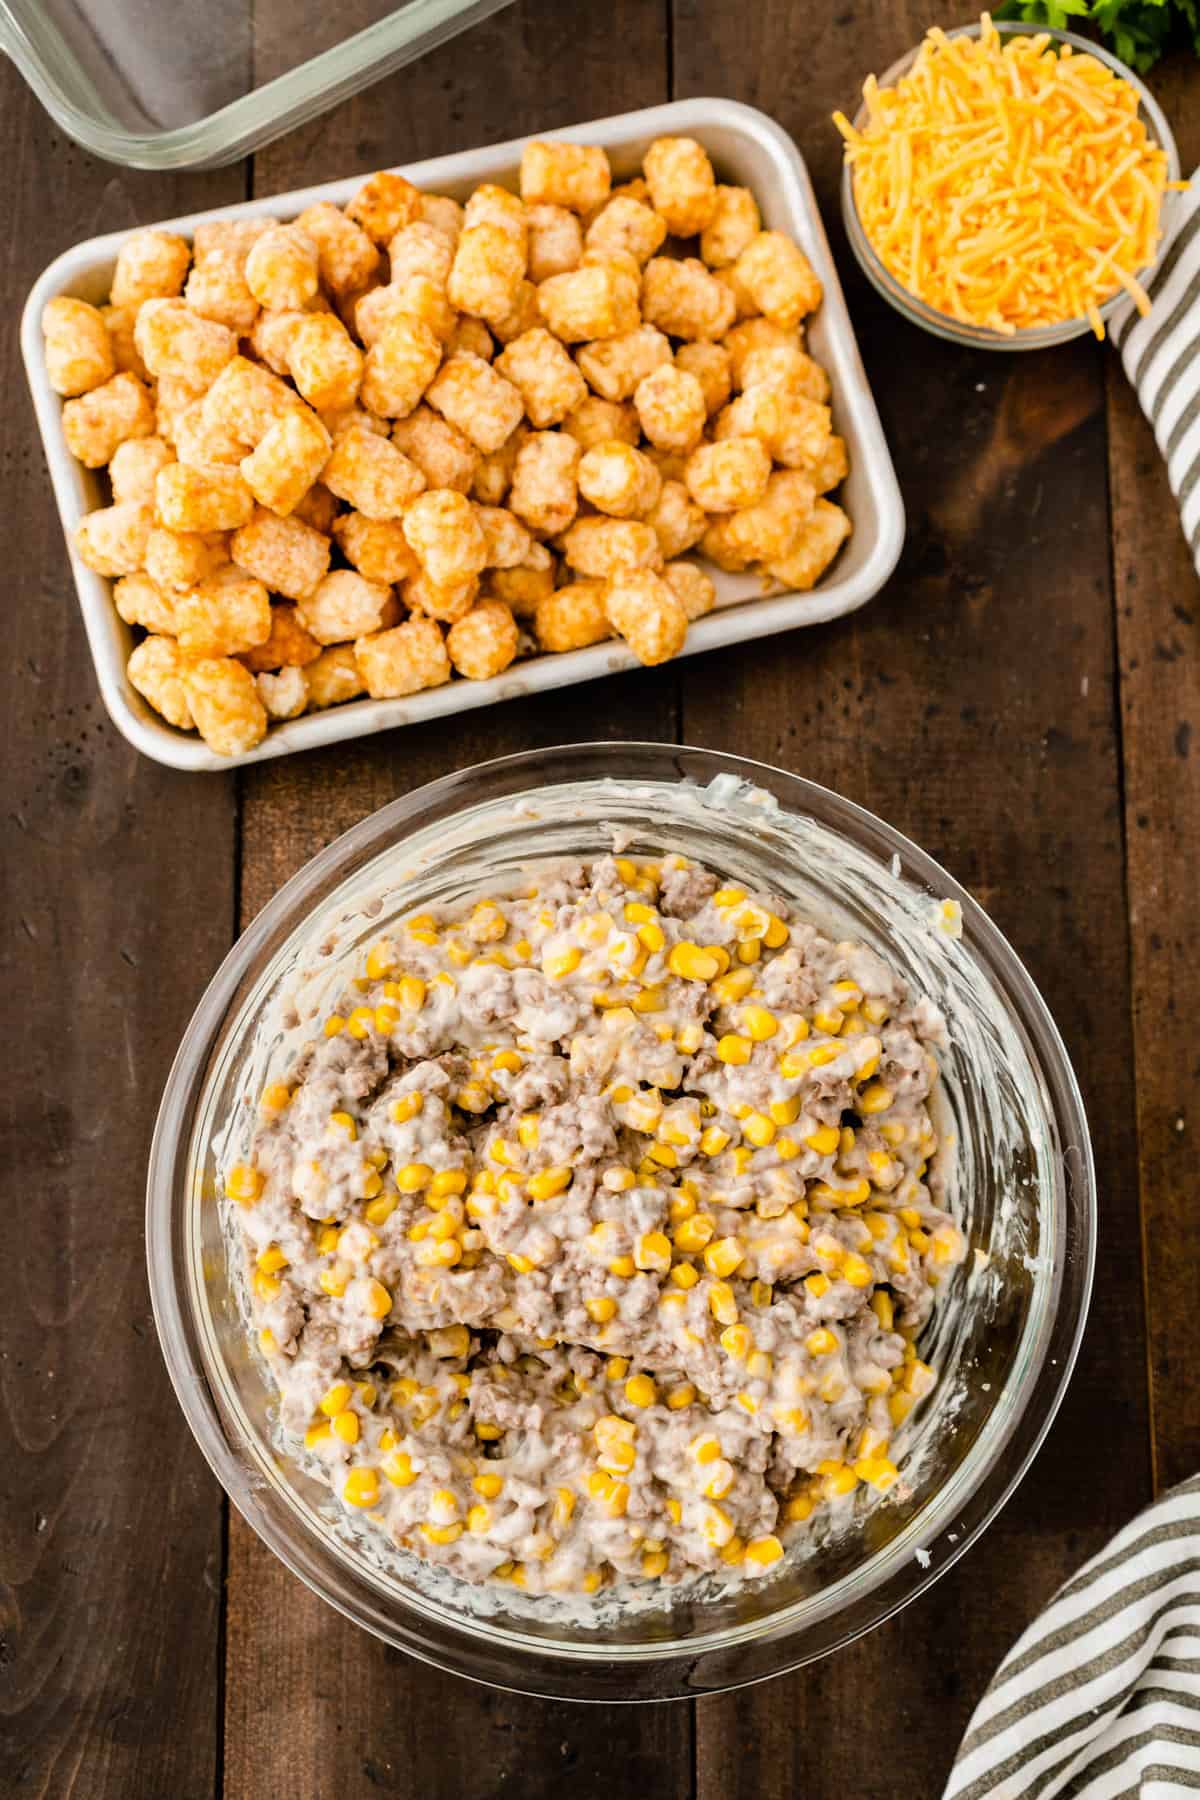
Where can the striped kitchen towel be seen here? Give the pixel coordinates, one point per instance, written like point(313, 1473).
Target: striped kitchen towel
point(1161, 353)
point(1100, 1700)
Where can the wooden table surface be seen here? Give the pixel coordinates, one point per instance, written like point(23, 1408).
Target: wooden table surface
point(1022, 700)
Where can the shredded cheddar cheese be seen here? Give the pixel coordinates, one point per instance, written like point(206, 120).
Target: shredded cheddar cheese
point(1007, 182)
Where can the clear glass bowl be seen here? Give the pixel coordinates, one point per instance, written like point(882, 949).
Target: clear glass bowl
point(1004, 1337)
point(1039, 337)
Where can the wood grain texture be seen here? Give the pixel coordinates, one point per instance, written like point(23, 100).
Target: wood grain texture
point(973, 706)
point(118, 903)
point(1158, 632)
point(313, 1704)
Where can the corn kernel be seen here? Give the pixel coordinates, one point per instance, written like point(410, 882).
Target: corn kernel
point(346, 1427)
point(821, 1342)
point(684, 1275)
point(334, 1024)
point(562, 963)
point(722, 1304)
point(640, 1391)
point(733, 1049)
point(874, 1099)
point(692, 963)
point(653, 1251)
point(276, 1097)
point(315, 1433)
point(361, 1487)
point(693, 1234)
point(723, 1257)
point(758, 1130)
point(244, 1183)
point(681, 1396)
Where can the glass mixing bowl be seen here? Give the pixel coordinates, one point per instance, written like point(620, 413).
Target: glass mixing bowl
point(1004, 1337)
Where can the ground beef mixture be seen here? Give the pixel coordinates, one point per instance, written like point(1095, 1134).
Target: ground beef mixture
point(590, 1238)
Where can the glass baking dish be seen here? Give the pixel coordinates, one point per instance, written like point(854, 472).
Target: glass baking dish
point(157, 85)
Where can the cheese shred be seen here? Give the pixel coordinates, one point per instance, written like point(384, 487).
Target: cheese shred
point(1008, 183)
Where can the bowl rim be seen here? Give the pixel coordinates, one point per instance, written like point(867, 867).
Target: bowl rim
point(985, 337)
point(662, 1669)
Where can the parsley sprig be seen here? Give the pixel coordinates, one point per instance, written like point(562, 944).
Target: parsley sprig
point(1139, 31)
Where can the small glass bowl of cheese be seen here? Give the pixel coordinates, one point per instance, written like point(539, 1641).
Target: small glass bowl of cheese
point(1031, 243)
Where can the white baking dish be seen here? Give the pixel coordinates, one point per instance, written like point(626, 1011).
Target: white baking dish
point(747, 148)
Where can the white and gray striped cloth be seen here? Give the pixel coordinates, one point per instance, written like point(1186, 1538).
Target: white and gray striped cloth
point(1100, 1700)
point(1161, 354)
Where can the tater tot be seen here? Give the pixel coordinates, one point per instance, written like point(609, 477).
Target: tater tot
point(346, 257)
point(79, 351)
point(287, 461)
point(735, 222)
point(693, 589)
point(317, 508)
point(354, 418)
point(447, 604)
point(628, 225)
point(671, 464)
point(471, 337)
point(134, 468)
point(821, 538)
point(767, 530)
point(172, 340)
point(172, 398)
point(544, 490)
point(493, 473)
point(615, 366)
point(480, 402)
point(119, 322)
point(399, 368)
point(682, 185)
point(522, 315)
point(284, 694)
point(831, 467)
point(442, 528)
point(97, 423)
point(444, 456)
point(200, 444)
point(600, 547)
point(484, 642)
point(723, 476)
point(417, 297)
point(384, 204)
point(246, 400)
point(334, 676)
point(647, 613)
point(684, 299)
point(524, 588)
point(378, 548)
point(211, 499)
point(597, 421)
point(151, 265)
point(555, 242)
point(289, 556)
point(325, 362)
point(744, 305)
point(576, 176)
point(539, 368)
point(712, 366)
point(227, 613)
point(677, 521)
point(794, 429)
point(112, 540)
point(571, 618)
point(618, 480)
point(508, 543)
point(420, 249)
point(493, 205)
point(757, 334)
point(140, 601)
point(670, 406)
point(779, 278)
point(782, 365)
point(226, 240)
point(219, 291)
point(180, 559)
point(156, 670)
point(405, 660)
point(371, 475)
point(286, 646)
point(597, 300)
point(343, 605)
point(443, 213)
point(487, 272)
point(225, 704)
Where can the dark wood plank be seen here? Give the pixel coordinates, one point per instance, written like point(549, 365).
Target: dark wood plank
point(313, 1704)
point(1158, 633)
point(971, 705)
point(118, 903)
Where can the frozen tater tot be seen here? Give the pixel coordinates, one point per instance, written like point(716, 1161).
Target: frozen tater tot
point(119, 322)
point(399, 367)
point(721, 477)
point(246, 400)
point(443, 213)
point(670, 407)
point(524, 588)
point(627, 225)
point(172, 340)
point(831, 467)
point(682, 185)
point(287, 461)
point(346, 257)
point(647, 613)
point(354, 418)
point(140, 601)
point(493, 473)
point(571, 618)
point(286, 554)
point(317, 508)
point(677, 521)
point(821, 538)
point(211, 499)
point(444, 456)
point(671, 464)
point(794, 429)
point(555, 241)
point(177, 560)
point(597, 300)
point(487, 272)
point(734, 224)
point(783, 365)
point(151, 265)
point(472, 338)
point(767, 530)
point(471, 394)
point(405, 660)
point(600, 547)
point(420, 249)
point(597, 421)
point(712, 366)
point(79, 351)
point(97, 423)
point(371, 475)
point(271, 337)
point(615, 366)
point(324, 362)
point(548, 381)
point(743, 339)
point(200, 444)
point(384, 204)
point(284, 693)
point(744, 305)
point(685, 299)
point(447, 604)
point(445, 533)
point(334, 676)
point(490, 204)
point(576, 176)
point(172, 398)
point(693, 589)
point(344, 605)
point(219, 291)
point(522, 315)
point(618, 480)
point(286, 646)
point(484, 642)
point(779, 278)
point(225, 704)
point(133, 469)
point(227, 613)
point(156, 669)
point(377, 548)
point(544, 490)
point(226, 240)
point(413, 297)
point(508, 542)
